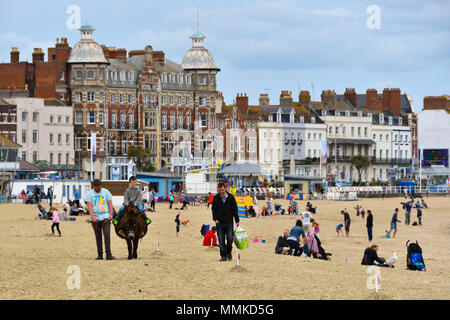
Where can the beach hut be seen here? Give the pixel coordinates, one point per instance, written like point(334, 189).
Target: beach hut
point(162, 181)
point(301, 186)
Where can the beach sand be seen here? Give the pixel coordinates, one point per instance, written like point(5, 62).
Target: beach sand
point(35, 265)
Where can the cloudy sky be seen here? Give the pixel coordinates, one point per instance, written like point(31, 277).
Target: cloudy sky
point(264, 46)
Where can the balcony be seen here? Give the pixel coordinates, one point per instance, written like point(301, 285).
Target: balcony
point(286, 141)
point(299, 141)
point(307, 161)
point(293, 141)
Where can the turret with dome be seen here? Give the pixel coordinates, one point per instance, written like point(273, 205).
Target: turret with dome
point(86, 50)
point(198, 57)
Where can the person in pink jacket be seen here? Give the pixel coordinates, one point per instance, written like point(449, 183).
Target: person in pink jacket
point(55, 216)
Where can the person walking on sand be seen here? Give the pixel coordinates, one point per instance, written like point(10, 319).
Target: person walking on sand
point(100, 207)
point(369, 225)
point(394, 221)
point(419, 216)
point(55, 218)
point(224, 209)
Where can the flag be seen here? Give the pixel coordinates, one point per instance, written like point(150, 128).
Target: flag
point(323, 149)
point(93, 146)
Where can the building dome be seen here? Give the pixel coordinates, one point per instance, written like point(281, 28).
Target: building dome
point(198, 57)
point(87, 51)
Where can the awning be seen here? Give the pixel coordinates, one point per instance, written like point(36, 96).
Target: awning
point(350, 141)
point(242, 169)
point(437, 171)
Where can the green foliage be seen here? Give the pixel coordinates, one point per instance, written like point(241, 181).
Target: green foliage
point(140, 158)
point(361, 163)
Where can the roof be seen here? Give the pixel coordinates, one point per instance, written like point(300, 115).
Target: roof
point(6, 143)
point(45, 165)
point(361, 98)
point(297, 177)
point(241, 169)
point(27, 166)
point(161, 173)
point(53, 103)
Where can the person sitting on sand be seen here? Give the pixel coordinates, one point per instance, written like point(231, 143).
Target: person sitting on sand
point(387, 234)
point(251, 212)
point(282, 246)
point(370, 256)
point(210, 238)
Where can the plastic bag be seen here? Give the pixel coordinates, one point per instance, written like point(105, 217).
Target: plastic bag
point(240, 238)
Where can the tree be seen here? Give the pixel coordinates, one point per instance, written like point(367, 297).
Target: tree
point(361, 163)
point(141, 158)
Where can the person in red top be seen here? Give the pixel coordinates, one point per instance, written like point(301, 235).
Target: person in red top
point(210, 199)
point(210, 236)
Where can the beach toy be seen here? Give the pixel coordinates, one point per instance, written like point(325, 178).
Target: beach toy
point(255, 240)
point(346, 259)
point(291, 218)
point(263, 241)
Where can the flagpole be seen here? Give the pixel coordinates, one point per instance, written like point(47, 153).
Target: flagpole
point(420, 168)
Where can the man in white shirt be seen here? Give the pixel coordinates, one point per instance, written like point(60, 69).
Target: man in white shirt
point(306, 217)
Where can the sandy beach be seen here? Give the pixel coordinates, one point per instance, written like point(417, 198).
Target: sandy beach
point(34, 264)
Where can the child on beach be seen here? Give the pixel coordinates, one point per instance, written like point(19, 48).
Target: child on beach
point(55, 217)
point(315, 225)
point(177, 221)
point(339, 229)
point(387, 235)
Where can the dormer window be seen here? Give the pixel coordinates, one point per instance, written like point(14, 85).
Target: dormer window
point(122, 75)
point(313, 119)
point(390, 120)
point(336, 113)
point(278, 117)
point(381, 118)
point(164, 78)
point(270, 118)
point(369, 115)
point(302, 119)
point(291, 117)
point(400, 121)
point(347, 113)
point(359, 114)
point(324, 113)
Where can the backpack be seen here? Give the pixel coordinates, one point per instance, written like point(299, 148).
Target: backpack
point(414, 259)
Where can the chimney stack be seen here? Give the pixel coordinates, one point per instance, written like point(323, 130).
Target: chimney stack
point(436, 103)
point(286, 98)
point(304, 98)
point(242, 102)
point(38, 55)
point(328, 97)
point(350, 96)
point(263, 100)
point(15, 55)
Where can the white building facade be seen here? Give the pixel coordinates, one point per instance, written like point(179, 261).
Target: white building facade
point(45, 130)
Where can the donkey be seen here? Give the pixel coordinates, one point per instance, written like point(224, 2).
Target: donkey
point(131, 227)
